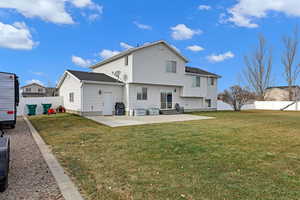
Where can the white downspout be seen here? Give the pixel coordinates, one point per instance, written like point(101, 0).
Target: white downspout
point(81, 96)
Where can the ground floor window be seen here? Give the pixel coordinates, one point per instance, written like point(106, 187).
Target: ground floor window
point(166, 100)
point(71, 97)
point(142, 94)
point(208, 103)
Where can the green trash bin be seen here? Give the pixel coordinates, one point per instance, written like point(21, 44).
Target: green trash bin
point(31, 109)
point(46, 107)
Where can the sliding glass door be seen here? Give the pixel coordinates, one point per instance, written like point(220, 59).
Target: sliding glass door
point(166, 100)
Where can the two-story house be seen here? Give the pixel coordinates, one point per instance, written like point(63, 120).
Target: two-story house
point(154, 75)
point(37, 90)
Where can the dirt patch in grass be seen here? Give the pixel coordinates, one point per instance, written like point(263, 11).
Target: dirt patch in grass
point(245, 155)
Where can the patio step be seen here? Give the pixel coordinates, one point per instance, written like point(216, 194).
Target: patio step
point(169, 112)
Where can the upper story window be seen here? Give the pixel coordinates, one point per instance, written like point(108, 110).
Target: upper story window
point(196, 81)
point(40, 90)
point(142, 94)
point(71, 97)
point(171, 66)
point(126, 60)
point(212, 81)
point(28, 89)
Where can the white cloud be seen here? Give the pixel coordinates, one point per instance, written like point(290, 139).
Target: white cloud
point(81, 3)
point(34, 81)
point(38, 73)
point(245, 12)
point(105, 53)
point(125, 45)
point(16, 36)
point(182, 32)
point(220, 57)
point(195, 48)
point(49, 10)
point(142, 26)
point(93, 17)
point(80, 61)
point(204, 7)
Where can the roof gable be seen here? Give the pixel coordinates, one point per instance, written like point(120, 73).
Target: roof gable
point(131, 50)
point(31, 84)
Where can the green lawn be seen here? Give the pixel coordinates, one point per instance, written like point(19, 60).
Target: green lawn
point(246, 155)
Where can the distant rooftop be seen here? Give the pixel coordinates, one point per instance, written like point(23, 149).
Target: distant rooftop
point(283, 87)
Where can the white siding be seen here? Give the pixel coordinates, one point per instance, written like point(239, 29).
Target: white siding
point(93, 101)
point(149, 66)
point(117, 65)
point(153, 100)
point(190, 91)
point(71, 84)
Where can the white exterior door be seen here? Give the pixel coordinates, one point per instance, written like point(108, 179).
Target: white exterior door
point(107, 104)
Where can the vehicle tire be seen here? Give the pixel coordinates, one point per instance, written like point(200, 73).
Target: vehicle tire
point(3, 184)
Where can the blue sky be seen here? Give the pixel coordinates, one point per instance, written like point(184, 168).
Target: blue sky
point(40, 39)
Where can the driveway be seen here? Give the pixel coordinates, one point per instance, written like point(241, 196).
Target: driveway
point(116, 121)
point(29, 175)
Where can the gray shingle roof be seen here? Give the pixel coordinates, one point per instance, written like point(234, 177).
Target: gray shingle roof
point(91, 76)
point(200, 71)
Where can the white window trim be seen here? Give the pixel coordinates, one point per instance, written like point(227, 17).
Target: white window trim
point(209, 81)
point(71, 98)
point(166, 68)
point(194, 83)
point(140, 91)
point(167, 92)
point(126, 60)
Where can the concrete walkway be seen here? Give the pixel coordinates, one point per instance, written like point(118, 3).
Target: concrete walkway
point(116, 121)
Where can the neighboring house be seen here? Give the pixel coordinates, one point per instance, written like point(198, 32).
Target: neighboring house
point(154, 75)
point(37, 90)
point(281, 93)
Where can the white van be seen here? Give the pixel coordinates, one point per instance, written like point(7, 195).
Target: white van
point(9, 99)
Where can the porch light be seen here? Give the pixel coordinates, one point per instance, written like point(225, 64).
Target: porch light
point(175, 90)
point(100, 92)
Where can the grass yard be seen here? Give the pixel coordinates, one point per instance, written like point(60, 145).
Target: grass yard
point(246, 155)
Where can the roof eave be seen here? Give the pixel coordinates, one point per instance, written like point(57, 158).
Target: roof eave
point(102, 82)
point(206, 75)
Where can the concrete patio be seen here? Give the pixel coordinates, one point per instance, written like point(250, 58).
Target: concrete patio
point(116, 121)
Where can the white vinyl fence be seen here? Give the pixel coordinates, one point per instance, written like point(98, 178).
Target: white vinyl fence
point(276, 105)
point(23, 110)
point(224, 106)
point(263, 105)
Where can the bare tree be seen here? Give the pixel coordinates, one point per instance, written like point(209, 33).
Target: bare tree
point(291, 71)
point(237, 97)
point(258, 68)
